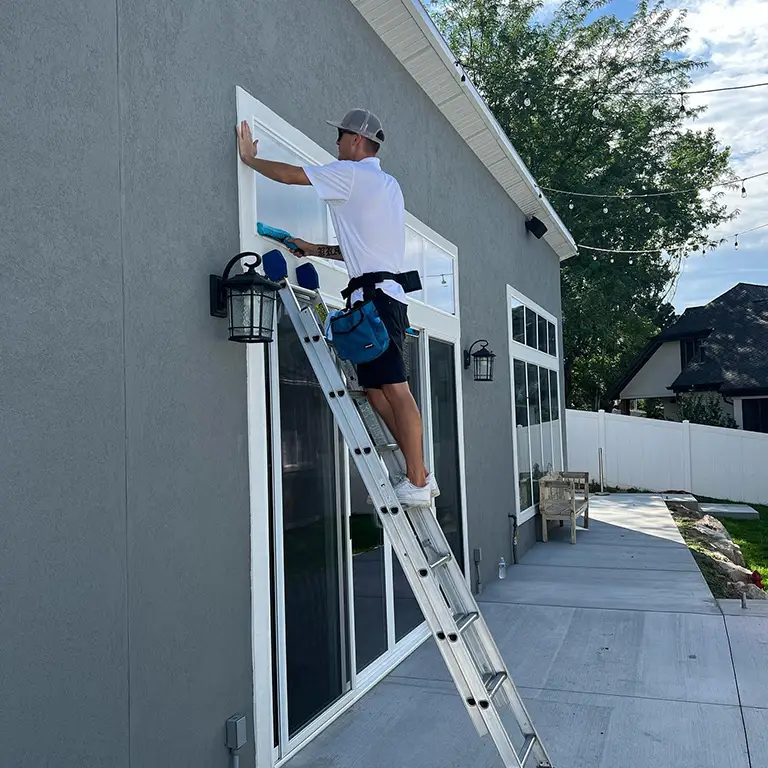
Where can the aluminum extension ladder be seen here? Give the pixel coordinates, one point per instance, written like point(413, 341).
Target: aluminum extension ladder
point(438, 584)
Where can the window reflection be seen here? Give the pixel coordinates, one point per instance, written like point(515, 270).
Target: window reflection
point(296, 209)
point(438, 279)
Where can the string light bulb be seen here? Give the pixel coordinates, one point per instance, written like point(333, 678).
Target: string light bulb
point(631, 261)
point(647, 208)
point(736, 243)
point(596, 113)
point(605, 208)
point(570, 205)
point(444, 281)
point(612, 259)
point(594, 258)
point(743, 190)
point(682, 105)
point(526, 101)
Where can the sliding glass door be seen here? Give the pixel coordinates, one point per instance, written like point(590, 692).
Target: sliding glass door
point(343, 607)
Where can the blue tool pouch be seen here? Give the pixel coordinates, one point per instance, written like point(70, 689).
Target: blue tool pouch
point(358, 334)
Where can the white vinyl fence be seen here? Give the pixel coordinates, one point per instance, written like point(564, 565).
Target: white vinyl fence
point(668, 456)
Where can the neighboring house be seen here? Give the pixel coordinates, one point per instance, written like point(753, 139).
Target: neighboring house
point(721, 347)
point(183, 536)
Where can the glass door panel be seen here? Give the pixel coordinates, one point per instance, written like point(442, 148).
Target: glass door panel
point(445, 441)
point(314, 579)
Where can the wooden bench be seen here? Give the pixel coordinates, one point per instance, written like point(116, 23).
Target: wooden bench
point(564, 496)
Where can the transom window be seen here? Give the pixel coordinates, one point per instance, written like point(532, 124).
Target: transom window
point(532, 329)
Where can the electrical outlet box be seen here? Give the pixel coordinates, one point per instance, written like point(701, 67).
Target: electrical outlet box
point(478, 554)
point(236, 735)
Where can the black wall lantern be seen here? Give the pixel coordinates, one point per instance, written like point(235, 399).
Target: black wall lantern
point(483, 361)
point(248, 298)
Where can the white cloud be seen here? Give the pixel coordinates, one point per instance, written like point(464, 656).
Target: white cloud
point(733, 35)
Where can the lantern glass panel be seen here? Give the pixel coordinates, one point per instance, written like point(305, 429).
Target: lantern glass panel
point(484, 365)
point(251, 311)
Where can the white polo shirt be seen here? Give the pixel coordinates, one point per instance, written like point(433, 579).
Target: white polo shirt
point(368, 214)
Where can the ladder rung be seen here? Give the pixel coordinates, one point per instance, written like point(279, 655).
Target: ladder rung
point(383, 448)
point(463, 620)
point(441, 560)
point(493, 682)
point(525, 752)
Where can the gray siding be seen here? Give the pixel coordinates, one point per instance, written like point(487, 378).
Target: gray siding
point(123, 485)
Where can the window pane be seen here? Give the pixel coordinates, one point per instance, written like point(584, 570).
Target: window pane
point(542, 334)
point(438, 278)
point(551, 331)
point(530, 328)
point(518, 323)
point(314, 578)
point(407, 612)
point(414, 258)
point(295, 209)
point(534, 418)
point(554, 396)
point(367, 540)
point(557, 427)
point(546, 427)
point(522, 434)
point(445, 433)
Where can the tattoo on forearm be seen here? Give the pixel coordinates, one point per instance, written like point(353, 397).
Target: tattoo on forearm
point(328, 251)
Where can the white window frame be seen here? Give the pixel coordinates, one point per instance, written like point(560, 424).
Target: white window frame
point(433, 323)
point(527, 354)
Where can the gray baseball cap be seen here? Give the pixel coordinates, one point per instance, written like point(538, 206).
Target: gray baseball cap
point(362, 122)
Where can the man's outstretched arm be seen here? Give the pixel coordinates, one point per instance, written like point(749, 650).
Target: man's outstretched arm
point(282, 172)
point(312, 249)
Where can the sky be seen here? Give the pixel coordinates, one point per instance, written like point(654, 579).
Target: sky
point(733, 36)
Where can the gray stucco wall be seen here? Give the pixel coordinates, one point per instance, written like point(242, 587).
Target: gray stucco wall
point(124, 591)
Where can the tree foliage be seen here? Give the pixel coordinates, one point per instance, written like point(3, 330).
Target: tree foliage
point(572, 93)
point(704, 408)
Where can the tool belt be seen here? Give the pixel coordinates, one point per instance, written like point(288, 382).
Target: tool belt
point(410, 281)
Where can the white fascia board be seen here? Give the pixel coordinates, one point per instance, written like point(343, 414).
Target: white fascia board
point(522, 187)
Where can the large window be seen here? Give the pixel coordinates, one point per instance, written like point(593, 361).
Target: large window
point(755, 414)
point(536, 398)
point(299, 211)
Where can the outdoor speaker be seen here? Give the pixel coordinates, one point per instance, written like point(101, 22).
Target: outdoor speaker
point(536, 227)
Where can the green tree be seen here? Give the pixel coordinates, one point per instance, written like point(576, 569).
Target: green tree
point(582, 101)
point(704, 408)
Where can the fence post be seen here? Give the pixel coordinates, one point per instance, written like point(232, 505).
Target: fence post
point(601, 440)
point(687, 468)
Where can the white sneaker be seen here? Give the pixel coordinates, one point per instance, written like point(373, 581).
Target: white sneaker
point(434, 488)
point(410, 495)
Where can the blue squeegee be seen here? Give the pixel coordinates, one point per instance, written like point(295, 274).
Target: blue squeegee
point(273, 233)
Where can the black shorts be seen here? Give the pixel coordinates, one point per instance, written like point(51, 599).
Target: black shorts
point(388, 368)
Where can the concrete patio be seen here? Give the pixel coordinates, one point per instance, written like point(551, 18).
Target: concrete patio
point(616, 644)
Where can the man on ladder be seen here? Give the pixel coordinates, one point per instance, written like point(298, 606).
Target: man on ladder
point(368, 215)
